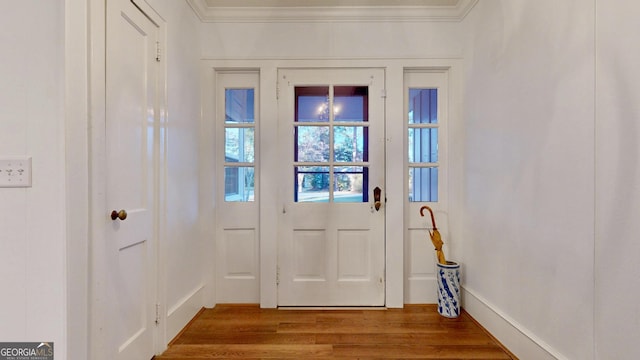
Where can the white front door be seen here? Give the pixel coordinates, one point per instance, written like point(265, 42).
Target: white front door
point(131, 150)
point(331, 242)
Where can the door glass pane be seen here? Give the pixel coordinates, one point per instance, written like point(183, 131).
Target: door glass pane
point(239, 144)
point(239, 106)
point(239, 183)
point(350, 103)
point(423, 106)
point(312, 144)
point(311, 183)
point(349, 186)
point(348, 143)
point(423, 145)
point(312, 104)
point(423, 184)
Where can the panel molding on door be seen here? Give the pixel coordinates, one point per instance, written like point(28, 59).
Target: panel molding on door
point(331, 248)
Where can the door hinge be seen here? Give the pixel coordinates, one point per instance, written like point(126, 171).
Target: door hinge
point(157, 314)
point(278, 275)
point(158, 51)
point(383, 93)
point(277, 90)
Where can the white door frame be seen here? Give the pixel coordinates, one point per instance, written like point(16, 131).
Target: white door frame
point(395, 146)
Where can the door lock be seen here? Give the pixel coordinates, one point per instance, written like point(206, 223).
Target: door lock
point(376, 197)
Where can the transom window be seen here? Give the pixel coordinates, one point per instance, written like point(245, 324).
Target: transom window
point(331, 144)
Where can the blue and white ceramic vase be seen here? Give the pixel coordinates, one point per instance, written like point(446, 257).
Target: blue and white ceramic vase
point(449, 289)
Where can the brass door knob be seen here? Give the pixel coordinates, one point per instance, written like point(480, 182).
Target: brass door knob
point(122, 214)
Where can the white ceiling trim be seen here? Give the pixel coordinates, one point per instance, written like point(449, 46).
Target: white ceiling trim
point(396, 13)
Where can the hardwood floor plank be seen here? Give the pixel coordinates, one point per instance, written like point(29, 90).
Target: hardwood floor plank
point(400, 339)
point(415, 332)
point(420, 351)
point(245, 338)
point(244, 351)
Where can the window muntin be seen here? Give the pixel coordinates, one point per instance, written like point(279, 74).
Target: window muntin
point(423, 144)
point(331, 144)
point(239, 141)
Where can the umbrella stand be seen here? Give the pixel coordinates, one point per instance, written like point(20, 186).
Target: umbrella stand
point(448, 274)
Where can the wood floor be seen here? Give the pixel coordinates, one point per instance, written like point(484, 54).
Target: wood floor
point(415, 332)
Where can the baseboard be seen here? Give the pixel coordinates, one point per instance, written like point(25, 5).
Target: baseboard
point(515, 337)
point(183, 311)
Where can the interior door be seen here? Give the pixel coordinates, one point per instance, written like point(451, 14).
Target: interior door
point(131, 118)
point(331, 229)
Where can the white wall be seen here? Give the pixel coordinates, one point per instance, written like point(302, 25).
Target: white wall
point(321, 40)
point(617, 309)
point(32, 220)
point(529, 174)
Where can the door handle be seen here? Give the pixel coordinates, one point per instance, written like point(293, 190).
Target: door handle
point(376, 197)
point(122, 214)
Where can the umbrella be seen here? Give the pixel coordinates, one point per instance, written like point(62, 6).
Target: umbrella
point(436, 239)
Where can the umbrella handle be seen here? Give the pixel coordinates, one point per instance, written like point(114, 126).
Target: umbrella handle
point(433, 220)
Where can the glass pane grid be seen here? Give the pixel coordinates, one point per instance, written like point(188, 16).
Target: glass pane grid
point(422, 144)
point(239, 130)
point(331, 144)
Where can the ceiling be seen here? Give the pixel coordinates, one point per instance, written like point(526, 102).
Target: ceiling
point(330, 10)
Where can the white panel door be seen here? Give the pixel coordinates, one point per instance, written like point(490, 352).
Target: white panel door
point(425, 98)
point(331, 236)
point(131, 100)
point(237, 246)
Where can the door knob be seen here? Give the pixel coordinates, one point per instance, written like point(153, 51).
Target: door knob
point(376, 197)
point(122, 214)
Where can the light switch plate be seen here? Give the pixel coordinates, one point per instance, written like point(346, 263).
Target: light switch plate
point(15, 172)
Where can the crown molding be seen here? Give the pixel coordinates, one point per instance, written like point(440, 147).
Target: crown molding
point(454, 11)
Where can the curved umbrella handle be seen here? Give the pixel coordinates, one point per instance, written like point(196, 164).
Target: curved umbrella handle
point(433, 220)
